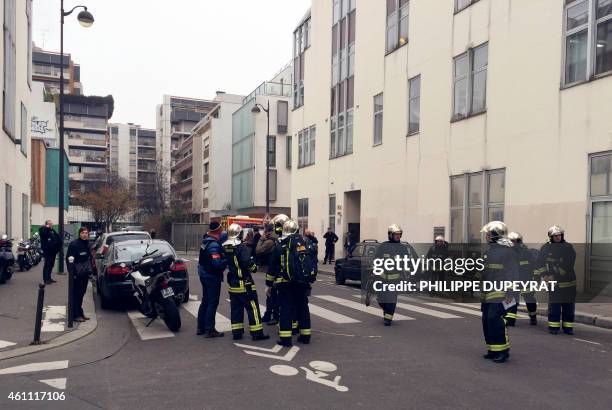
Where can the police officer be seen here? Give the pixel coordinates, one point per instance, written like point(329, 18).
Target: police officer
point(293, 281)
point(501, 264)
point(272, 311)
point(241, 286)
point(439, 250)
point(389, 250)
point(528, 259)
point(556, 263)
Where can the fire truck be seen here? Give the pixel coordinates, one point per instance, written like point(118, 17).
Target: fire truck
point(246, 222)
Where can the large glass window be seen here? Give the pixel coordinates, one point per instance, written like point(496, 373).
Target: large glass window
point(10, 69)
point(378, 119)
point(271, 151)
point(301, 41)
point(601, 175)
point(8, 198)
point(462, 4)
point(29, 54)
point(588, 39)
point(303, 214)
point(470, 82)
point(414, 105)
point(288, 153)
point(24, 130)
point(475, 200)
point(332, 212)
point(306, 146)
point(25, 216)
point(397, 24)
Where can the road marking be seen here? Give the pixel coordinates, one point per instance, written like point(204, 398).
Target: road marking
point(275, 349)
point(587, 341)
point(222, 324)
point(286, 358)
point(455, 308)
point(425, 311)
point(193, 297)
point(284, 370)
point(325, 314)
point(476, 306)
point(36, 367)
point(157, 329)
point(358, 306)
point(56, 383)
point(54, 319)
point(5, 343)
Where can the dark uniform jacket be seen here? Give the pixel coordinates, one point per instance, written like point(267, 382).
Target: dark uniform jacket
point(528, 262)
point(501, 264)
point(330, 238)
point(278, 269)
point(49, 240)
point(438, 252)
point(240, 268)
point(82, 264)
point(557, 260)
point(389, 250)
point(212, 260)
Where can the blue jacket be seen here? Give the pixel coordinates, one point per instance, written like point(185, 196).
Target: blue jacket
point(212, 258)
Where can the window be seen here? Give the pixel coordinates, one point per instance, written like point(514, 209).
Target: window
point(470, 82)
point(10, 69)
point(332, 212)
point(288, 153)
point(343, 71)
point(8, 197)
point(25, 216)
point(397, 24)
point(273, 182)
point(24, 130)
point(271, 151)
point(588, 39)
point(29, 54)
point(303, 214)
point(132, 134)
point(282, 116)
point(414, 105)
point(301, 41)
point(475, 200)
point(463, 4)
point(306, 146)
point(601, 175)
point(378, 119)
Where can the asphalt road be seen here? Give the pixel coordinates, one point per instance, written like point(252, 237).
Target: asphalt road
point(432, 361)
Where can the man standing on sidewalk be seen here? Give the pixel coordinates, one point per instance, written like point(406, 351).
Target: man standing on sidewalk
point(330, 243)
point(211, 265)
point(50, 243)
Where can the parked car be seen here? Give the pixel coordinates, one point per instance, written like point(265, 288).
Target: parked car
point(113, 283)
point(105, 240)
point(360, 260)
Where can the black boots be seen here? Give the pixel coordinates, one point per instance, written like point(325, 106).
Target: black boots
point(259, 336)
point(533, 320)
point(502, 357)
point(284, 342)
point(212, 334)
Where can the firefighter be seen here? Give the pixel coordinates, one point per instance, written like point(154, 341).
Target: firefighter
point(556, 263)
point(272, 314)
point(528, 259)
point(293, 280)
point(501, 264)
point(242, 291)
point(389, 250)
point(439, 250)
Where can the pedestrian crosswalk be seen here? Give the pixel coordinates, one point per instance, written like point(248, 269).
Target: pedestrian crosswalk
point(6, 343)
point(324, 308)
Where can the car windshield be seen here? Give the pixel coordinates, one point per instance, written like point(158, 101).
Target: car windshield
point(127, 237)
point(133, 251)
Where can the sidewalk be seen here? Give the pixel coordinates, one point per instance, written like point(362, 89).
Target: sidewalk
point(18, 300)
point(594, 314)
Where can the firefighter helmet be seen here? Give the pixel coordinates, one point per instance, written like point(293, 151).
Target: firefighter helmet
point(393, 229)
point(497, 229)
point(555, 230)
point(234, 231)
point(278, 221)
point(439, 238)
point(515, 237)
point(289, 228)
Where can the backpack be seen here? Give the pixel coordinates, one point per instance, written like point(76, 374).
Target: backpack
point(300, 265)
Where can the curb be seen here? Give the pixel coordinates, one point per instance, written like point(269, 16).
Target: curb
point(584, 318)
point(83, 329)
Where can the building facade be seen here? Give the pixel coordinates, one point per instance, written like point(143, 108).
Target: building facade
point(15, 155)
point(46, 67)
point(251, 143)
point(441, 117)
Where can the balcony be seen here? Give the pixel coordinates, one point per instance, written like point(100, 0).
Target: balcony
point(146, 142)
point(271, 89)
point(79, 140)
point(79, 122)
point(87, 159)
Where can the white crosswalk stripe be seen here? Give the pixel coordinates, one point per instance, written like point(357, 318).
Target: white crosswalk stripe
point(423, 310)
point(358, 306)
point(324, 314)
point(477, 306)
point(6, 343)
point(157, 329)
point(222, 324)
point(54, 318)
point(455, 308)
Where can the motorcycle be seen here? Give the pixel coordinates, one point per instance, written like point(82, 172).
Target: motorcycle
point(150, 276)
point(7, 259)
point(35, 250)
point(24, 257)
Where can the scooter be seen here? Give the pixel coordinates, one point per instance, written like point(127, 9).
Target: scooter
point(24, 258)
point(7, 259)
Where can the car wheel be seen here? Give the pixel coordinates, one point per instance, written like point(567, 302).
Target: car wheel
point(186, 296)
point(340, 279)
point(105, 303)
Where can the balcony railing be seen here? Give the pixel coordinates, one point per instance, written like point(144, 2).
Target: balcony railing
point(270, 88)
point(146, 142)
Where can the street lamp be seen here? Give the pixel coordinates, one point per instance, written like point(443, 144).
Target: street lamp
point(86, 19)
point(256, 110)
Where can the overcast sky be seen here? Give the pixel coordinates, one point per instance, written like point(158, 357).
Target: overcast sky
point(138, 50)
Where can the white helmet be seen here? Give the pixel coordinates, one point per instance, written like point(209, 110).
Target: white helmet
point(289, 228)
point(393, 229)
point(497, 229)
point(278, 222)
point(439, 238)
point(555, 230)
point(515, 237)
point(234, 234)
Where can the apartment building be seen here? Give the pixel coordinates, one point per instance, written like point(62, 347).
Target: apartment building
point(86, 133)
point(47, 66)
point(251, 144)
point(175, 118)
point(441, 116)
point(15, 155)
point(211, 154)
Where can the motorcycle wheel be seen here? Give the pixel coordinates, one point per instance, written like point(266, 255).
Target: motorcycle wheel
point(168, 311)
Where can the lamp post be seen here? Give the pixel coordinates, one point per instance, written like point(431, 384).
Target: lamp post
point(256, 110)
point(86, 20)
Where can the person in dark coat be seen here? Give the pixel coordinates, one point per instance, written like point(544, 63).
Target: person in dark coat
point(330, 243)
point(256, 239)
point(80, 265)
point(50, 243)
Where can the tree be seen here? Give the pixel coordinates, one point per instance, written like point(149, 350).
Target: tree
point(109, 201)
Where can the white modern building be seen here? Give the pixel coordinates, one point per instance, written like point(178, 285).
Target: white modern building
point(251, 143)
point(16, 66)
point(441, 116)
